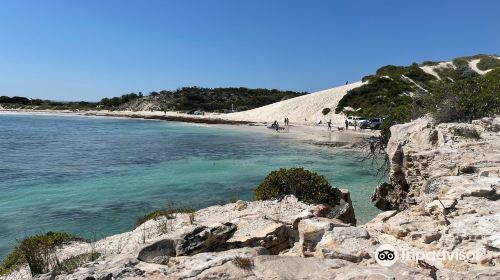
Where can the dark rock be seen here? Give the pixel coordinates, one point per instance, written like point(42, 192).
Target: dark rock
point(280, 239)
point(346, 211)
point(108, 276)
point(160, 248)
point(205, 239)
point(385, 197)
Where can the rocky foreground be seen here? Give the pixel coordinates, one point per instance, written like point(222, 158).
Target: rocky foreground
point(442, 197)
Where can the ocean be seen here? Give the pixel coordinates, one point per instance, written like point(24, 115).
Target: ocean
point(94, 176)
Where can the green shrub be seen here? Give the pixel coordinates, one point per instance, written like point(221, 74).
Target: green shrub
point(71, 264)
point(307, 186)
point(37, 252)
point(466, 133)
point(465, 100)
point(429, 63)
point(367, 78)
point(493, 74)
point(325, 111)
point(461, 61)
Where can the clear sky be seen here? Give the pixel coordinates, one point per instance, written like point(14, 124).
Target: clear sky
point(90, 49)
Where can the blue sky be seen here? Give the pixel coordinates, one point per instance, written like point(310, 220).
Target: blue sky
point(87, 50)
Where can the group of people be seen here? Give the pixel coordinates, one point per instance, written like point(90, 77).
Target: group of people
point(275, 125)
point(329, 124)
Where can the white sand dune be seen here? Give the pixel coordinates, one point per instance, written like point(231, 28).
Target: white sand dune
point(431, 69)
point(473, 65)
point(305, 109)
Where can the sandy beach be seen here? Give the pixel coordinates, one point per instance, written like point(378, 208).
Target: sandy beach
point(307, 122)
point(307, 133)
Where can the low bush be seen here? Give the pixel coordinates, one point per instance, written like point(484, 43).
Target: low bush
point(325, 111)
point(307, 186)
point(466, 133)
point(37, 251)
point(429, 63)
point(465, 100)
point(73, 263)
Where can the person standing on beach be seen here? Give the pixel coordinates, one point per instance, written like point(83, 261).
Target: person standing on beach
point(277, 126)
point(329, 124)
point(346, 125)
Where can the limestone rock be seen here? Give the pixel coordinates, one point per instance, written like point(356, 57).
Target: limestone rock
point(240, 205)
point(311, 231)
point(159, 249)
point(346, 211)
point(205, 239)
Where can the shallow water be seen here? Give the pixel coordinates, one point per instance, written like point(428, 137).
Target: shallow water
point(92, 176)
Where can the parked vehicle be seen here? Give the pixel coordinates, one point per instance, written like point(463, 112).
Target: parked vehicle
point(375, 123)
point(355, 120)
point(363, 123)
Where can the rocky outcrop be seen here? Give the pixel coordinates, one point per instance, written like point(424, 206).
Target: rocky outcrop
point(444, 189)
point(421, 153)
point(346, 211)
point(201, 239)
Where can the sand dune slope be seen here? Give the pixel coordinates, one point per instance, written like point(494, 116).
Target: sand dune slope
point(305, 109)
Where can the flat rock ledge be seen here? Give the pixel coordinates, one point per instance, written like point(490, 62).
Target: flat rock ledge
point(443, 196)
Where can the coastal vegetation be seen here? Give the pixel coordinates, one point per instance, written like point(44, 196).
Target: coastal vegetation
point(207, 99)
point(464, 100)
point(307, 186)
point(402, 93)
point(37, 251)
point(17, 102)
point(182, 99)
point(487, 62)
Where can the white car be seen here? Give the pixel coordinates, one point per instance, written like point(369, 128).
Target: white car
point(355, 120)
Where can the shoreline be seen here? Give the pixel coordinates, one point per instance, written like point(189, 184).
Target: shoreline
point(277, 232)
point(316, 135)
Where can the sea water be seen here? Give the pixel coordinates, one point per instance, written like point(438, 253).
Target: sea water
point(96, 175)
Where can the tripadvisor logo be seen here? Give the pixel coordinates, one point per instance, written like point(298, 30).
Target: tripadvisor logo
point(386, 255)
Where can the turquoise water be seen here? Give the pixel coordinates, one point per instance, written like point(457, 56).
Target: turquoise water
point(97, 175)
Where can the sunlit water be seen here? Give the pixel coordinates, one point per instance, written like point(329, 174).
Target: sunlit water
point(97, 175)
